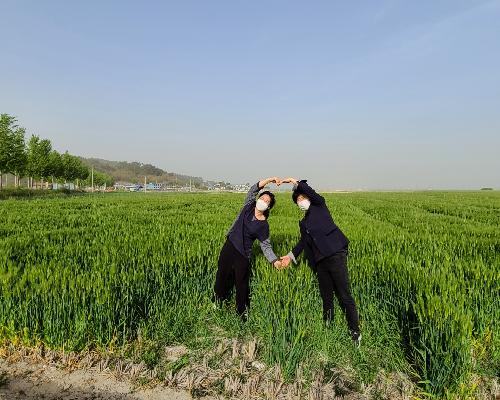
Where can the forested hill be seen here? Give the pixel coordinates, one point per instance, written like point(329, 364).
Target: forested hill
point(134, 172)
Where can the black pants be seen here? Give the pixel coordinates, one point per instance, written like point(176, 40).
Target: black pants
point(333, 277)
point(234, 270)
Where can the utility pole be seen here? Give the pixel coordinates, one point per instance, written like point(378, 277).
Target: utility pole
point(144, 184)
point(92, 179)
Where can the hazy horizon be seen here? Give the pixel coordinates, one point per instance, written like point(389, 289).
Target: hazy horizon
point(385, 96)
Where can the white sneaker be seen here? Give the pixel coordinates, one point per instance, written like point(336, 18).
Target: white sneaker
point(356, 339)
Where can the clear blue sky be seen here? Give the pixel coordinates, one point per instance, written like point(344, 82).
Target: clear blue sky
point(355, 95)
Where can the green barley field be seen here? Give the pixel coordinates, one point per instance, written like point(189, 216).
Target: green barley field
point(96, 271)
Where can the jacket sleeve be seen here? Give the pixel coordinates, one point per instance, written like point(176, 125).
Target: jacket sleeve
point(252, 193)
point(267, 249)
point(249, 199)
point(265, 244)
point(297, 250)
point(315, 198)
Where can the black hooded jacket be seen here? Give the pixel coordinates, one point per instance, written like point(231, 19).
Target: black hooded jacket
point(319, 236)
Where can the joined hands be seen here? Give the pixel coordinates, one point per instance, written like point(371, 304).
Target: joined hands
point(280, 181)
point(282, 263)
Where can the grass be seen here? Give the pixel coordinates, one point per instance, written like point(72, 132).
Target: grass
point(108, 271)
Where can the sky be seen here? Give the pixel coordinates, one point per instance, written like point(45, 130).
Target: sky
point(350, 95)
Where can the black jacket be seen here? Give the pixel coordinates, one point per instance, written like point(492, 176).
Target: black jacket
point(317, 227)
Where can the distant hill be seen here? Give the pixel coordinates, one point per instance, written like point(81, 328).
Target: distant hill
point(134, 172)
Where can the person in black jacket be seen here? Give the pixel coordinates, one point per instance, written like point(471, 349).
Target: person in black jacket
point(326, 249)
point(234, 259)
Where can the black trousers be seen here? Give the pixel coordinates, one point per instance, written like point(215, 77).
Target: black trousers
point(333, 277)
point(233, 270)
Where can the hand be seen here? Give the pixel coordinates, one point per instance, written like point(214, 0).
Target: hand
point(278, 264)
point(265, 182)
point(276, 180)
point(289, 180)
point(285, 261)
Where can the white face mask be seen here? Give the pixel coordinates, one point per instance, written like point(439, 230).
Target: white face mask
point(304, 204)
point(261, 205)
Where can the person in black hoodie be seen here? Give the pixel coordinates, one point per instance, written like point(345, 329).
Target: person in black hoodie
point(234, 259)
point(326, 249)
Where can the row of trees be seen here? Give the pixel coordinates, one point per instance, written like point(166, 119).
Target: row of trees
point(37, 160)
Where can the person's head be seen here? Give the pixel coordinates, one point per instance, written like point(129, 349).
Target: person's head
point(301, 200)
point(265, 202)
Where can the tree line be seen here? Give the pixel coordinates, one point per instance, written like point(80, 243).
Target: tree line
point(36, 160)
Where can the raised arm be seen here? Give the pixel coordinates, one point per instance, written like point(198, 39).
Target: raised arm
point(254, 190)
point(252, 193)
point(267, 181)
point(302, 185)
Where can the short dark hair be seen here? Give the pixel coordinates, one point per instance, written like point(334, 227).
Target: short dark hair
point(271, 203)
point(295, 195)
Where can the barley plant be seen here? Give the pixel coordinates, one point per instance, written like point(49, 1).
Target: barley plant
point(98, 271)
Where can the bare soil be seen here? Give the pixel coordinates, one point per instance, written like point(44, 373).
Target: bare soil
point(35, 380)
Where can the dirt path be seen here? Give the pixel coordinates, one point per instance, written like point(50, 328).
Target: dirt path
point(37, 380)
